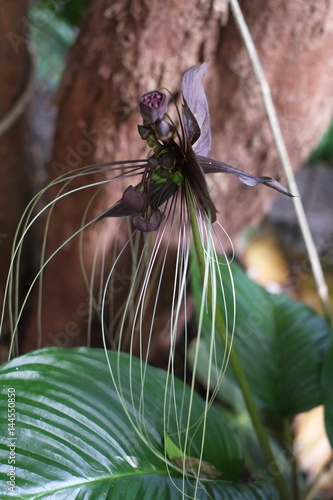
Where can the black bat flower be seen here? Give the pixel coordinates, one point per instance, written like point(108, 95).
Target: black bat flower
point(137, 281)
point(177, 157)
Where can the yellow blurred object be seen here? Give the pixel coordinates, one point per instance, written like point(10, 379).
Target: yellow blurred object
point(313, 450)
point(280, 269)
point(312, 447)
point(264, 261)
point(308, 291)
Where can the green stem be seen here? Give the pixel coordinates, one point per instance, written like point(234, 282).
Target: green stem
point(289, 442)
point(234, 361)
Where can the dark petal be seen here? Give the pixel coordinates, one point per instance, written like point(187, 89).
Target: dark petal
point(195, 100)
point(157, 195)
point(148, 225)
point(211, 166)
point(196, 178)
point(191, 125)
point(153, 107)
point(119, 209)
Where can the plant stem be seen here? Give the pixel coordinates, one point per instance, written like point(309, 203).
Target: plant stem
point(289, 443)
point(233, 358)
point(318, 274)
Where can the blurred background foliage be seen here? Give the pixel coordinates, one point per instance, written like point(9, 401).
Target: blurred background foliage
point(324, 150)
point(53, 39)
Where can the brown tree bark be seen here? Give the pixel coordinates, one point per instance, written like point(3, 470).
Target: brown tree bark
point(14, 78)
point(125, 49)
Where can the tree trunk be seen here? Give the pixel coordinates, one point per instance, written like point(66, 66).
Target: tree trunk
point(15, 69)
point(125, 49)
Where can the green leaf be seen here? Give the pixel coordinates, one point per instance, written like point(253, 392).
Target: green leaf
point(328, 393)
point(235, 411)
point(52, 36)
point(72, 438)
point(69, 12)
point(172, 450)
point(324, 150)
point(280, 343)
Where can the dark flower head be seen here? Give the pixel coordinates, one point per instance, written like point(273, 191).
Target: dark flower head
point(178, 157)
point(144, 291)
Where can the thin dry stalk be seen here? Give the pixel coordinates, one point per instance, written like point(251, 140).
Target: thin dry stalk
point(284, 157)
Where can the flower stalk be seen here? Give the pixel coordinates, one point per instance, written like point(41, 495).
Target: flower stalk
point(233, 358)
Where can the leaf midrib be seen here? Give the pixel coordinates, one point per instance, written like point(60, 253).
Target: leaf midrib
point(88, 482)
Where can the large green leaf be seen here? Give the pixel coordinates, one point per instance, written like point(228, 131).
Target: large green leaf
point(327, 381)
point(280, 343)
point(236, 412)
point(73, 438)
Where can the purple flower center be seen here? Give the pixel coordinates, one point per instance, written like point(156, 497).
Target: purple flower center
point(153, 99)
point(153, 107)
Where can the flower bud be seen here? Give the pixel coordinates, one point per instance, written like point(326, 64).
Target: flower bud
point(177, 178)
point(164, 130)
point(144, 132)
point(161, 175)
point(168, 160)
point(153, 107)
point(153, 162)
point(148, 225)
point(134, 200)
